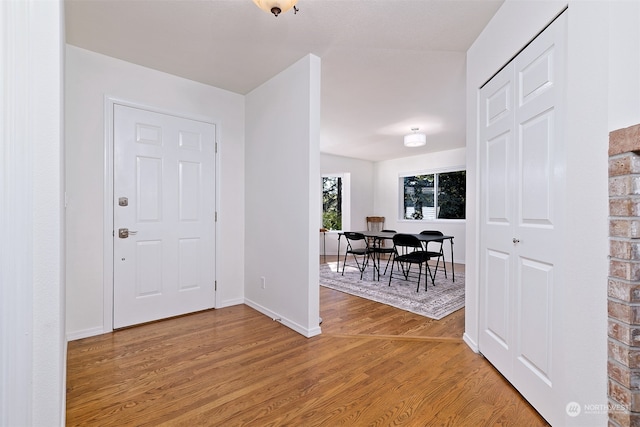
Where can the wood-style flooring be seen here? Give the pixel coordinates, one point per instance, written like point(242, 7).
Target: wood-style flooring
point(373, 365)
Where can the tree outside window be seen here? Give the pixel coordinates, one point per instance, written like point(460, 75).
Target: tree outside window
point(332, 202)
point(437, 195)
point(418, 196)
point(452, 191)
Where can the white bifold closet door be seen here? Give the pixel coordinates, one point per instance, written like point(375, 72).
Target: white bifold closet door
point(522, 175)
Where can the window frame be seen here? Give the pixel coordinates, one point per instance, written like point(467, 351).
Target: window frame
point(436, 172)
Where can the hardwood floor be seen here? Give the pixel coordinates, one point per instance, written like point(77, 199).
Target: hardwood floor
point(372, 365)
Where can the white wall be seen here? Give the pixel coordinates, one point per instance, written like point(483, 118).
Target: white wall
point(46, 100)
point(624, 64)
point(361, 183)
point(587, 215)
point(387, 196)
point(32, 342)
point(282, 196)
point(583, 330)
point(89, 78)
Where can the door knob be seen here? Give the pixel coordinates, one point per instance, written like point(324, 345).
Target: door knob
point(123, 233)
point(516, 241)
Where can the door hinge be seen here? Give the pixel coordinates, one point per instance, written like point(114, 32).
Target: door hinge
point(215, 285)
point(216, 219)
point(216, 147)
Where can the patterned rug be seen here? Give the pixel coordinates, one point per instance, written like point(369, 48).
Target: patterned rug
point(437, 302)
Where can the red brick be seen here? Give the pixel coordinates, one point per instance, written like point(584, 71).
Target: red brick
point(628, 398)
point(624, 332)
point(624, 354)
point(623, 269)
point(624, 164)
point(622, 418)
point(619, 186)
point(624, 312)
point(619, 331)
point(629, 378)
point(624, 290)
point(619, 373)
point(624, 249)
point(624, 140)
point(619, 311)
point(629, 228)
point(624, 206)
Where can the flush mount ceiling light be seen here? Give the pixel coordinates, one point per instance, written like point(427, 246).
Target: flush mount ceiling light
point(415, 139)
point(276, 6)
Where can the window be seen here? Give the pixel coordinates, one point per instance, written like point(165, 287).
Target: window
point(436, 195)
point(332, 202)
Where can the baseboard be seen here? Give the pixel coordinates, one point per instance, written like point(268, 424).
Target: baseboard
point(229, 303)
point(471, 343)
point(86, 333)
point(306, 332)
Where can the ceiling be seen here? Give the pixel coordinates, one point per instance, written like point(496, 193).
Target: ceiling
point(387, 66)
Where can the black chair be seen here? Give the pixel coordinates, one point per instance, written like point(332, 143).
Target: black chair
point(361, 249)
point(412, 253)
point(436, 254)
point(379, 249)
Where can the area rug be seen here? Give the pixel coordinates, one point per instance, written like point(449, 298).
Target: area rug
point(437, 302)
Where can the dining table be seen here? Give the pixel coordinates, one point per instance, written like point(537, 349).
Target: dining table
point(379, 236)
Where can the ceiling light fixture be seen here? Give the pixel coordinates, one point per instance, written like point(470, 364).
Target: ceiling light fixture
point(415, 139)
point(276, 6)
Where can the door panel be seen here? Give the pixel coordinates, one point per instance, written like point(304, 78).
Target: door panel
point(149, 189)
point(536, 171)
point(499, 199)
point(189, 178)
point(188, 263)
point(497, 297)
point(164, 167)
point(148, 279)
point(536, 76)
point(536, 291)
point(499, 103)
point(496, 229)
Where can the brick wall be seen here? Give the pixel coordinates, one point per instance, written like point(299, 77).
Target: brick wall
point(624, 277)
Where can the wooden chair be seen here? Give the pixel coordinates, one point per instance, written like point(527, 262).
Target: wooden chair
point(375, 223)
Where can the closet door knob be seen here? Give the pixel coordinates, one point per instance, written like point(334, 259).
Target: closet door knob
point(516, 241)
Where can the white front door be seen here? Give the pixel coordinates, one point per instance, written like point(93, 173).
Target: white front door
point(522, 163)
point(164, 195)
